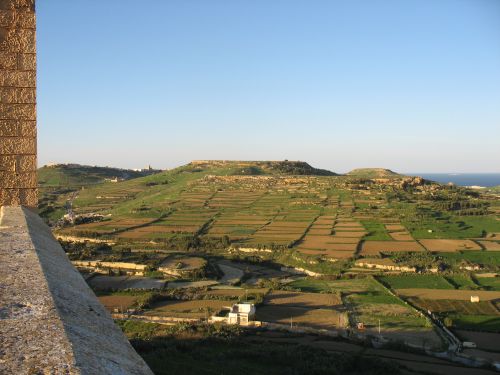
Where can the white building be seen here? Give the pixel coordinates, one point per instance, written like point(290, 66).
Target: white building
point(241, 313)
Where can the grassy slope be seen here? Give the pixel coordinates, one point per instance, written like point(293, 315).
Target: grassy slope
point(80, 175)
point(373, 173)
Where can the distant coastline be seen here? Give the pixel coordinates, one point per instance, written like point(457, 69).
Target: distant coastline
point(463, 179)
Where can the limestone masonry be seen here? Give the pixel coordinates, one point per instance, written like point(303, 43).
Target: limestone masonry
point(17, 103)
point(50, 320)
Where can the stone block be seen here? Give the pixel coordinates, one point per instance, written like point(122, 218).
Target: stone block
point(26, 163)
point(9, 128)
point(9, 197)
point(18, 79)
point(17, 146)
point(27, 129)
point(16, 180)
point(17, 111)
point(17, 40)
point(8, 163)
point(8, 60)
point(13, 95)
point(22, 20)
point(26, 61)
point(29, 197)
point(18, 5)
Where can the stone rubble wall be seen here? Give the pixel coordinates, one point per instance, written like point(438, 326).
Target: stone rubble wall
point(50, 320)
point(18, 183)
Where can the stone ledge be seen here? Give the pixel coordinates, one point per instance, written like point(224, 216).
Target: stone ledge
point(50, 320)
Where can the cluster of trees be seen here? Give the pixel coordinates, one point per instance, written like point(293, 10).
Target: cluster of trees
point(463, 207)
point(84, 250)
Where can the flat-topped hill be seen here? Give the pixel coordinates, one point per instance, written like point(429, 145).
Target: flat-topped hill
point(373, 173)
point(251, 168)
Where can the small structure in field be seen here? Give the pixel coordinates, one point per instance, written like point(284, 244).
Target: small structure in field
point(241, 313)
point(474, 299)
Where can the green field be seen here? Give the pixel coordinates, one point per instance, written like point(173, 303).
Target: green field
point(416, 281)
point(488, 323)
point(368, 302)
point(489, 283)
point(376, 231)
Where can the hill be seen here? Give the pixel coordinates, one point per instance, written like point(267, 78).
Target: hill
point(254, 168)
point(373, 173)
point(76, 175)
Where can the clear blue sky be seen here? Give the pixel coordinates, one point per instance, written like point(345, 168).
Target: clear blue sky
point(411, 85)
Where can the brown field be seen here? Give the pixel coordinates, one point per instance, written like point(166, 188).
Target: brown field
point(438, 294)
point(490, 245)
point(339, 254)
point(395, 227)
point(350, 225)
point(300, 316)
point(188, 309)
point(375, 247)
point(117, 302)
point(456, 306)
point(449, 245)
point(306, 309)
point(350, 234)
point(330, 239)
point(240, 222)
point(299, 299)
point(321, 232)
point(401, 236)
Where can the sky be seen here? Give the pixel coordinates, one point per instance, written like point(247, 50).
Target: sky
point(410, 85)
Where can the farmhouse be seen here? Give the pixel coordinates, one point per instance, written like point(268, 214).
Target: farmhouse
point(241, 313)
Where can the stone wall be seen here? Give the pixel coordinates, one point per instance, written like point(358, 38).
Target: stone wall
point(50, 320)
point(17, 103)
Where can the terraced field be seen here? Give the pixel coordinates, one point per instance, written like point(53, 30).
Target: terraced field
point(312, 219)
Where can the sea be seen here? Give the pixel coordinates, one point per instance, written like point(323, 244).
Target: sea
point(463, 179)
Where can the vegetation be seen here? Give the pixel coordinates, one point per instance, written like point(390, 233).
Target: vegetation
point(219, 349)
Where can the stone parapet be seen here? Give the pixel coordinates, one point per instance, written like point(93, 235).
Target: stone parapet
point(50, 320)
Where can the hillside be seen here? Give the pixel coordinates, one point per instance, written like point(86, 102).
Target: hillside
point(268, 204)
point(76, 175)
point(254, 168)
point(373, 173)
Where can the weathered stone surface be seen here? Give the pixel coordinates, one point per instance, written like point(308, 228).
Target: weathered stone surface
point(17, 146)
point(50, 321)
point(18, 79)
point(29, 197)
point(26, 61)
point(9, 18)
point(9, 128)
point(18, 5)
point(17, 180)
point(17, 102)
point(10, 197)
point(17, 111)
point(8, 60)
point(26, 163)
point(7, 163)
point(27, 129)
point(13, 95)
point(17, 40)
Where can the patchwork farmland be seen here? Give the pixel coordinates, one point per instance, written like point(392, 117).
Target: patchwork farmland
point(310, 248)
